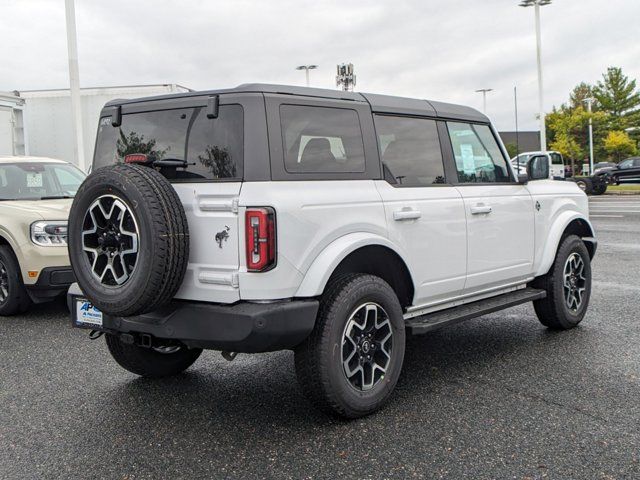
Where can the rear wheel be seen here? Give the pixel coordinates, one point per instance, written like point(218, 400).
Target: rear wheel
point(600, 188)
point(568, 286)
point(351, 362)
point(154, 362)
point(14, 298)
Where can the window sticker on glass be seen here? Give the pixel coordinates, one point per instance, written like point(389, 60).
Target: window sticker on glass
point(468, 163)
point(34, 180)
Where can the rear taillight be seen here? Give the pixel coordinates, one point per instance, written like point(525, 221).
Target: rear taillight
point(260, 224)
point(136, 158)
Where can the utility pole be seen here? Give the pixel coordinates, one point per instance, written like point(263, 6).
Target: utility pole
point(537, 4)
point(589, 103)
point(484, 98)
point(306, 69)
point(74, 84)
point(346, 78)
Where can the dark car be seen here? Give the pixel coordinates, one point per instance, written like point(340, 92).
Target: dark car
point(627, 171)
point(600, 166)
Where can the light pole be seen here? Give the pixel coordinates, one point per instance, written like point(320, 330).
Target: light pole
point(484, 98)
point(589, 103)
point(74, 83)
point(306, 69)
point(537, 4)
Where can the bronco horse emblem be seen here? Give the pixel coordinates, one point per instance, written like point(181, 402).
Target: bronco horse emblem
point(222, 236)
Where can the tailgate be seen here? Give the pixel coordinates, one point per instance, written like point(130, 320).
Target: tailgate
point(212, 213)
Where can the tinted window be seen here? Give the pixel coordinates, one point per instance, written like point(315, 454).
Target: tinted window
point(212, 148)
point(33, 181)
point(556, 158)
point(321, 140)
point(410, 150)
point(626, 164)
point(478, 156)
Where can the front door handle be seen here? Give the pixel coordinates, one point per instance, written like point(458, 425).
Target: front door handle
point(406, 214)
point(480, 208)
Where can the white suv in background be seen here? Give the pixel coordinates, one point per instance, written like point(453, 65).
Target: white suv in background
point(35, 198)
point(556, 163)
point(332, 223)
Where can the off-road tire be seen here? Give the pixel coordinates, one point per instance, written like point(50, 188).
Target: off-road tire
point(148, 362)
point(600, 188)
point(552, 311)
point(585, 184)
point(318, 360)
point(18, 300)
point(163, 239)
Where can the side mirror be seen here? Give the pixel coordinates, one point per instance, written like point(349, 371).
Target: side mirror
point(538, 168)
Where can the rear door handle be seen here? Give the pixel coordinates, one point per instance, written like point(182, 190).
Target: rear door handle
point(480, 208)
point(406, 214)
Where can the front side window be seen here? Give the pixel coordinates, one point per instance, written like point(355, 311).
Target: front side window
point(205, 148)
point(321, 140)
point(38, 180)
point(626, 164)
point(410, 150)
point(477, 154)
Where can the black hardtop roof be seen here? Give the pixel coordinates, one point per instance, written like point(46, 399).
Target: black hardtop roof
point(379, 103)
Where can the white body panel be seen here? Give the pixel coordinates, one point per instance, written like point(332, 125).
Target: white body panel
point(429, 224)
point(452, 254)
point(500, 235)
point(212, 273)
point(310, 216)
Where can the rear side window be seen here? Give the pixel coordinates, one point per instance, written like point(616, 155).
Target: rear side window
point(410, 151)
point(211, 149)
point(556, 158)
point(477, 154)
point(321, 140)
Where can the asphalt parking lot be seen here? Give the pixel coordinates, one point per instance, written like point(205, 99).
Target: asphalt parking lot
point(496, 397)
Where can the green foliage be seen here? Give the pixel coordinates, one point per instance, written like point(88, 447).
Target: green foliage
point(616, 107)
point(512, 149)
point(134, 143)
point(218, 161)
point(619, 145)
point(617, 96)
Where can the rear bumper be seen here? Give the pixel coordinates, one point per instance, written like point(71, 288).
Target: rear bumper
point(52, 281)
point(241, 327)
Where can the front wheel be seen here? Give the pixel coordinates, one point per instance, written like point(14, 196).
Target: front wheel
point(352, 360)
point(568, 286)
point(14, 298)
point(154, 362)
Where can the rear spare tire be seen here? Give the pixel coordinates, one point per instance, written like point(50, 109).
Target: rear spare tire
point(128, 239)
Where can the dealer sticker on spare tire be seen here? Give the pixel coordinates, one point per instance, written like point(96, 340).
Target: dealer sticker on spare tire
point(86, 314)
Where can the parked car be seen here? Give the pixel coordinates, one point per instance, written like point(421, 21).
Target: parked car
point(332, 223)
point(556, 163)
point(603, 166)
point(628, 170)
point(35, 198)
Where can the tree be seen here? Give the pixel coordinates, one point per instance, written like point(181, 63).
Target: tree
point(512, 149)
point(579, 95)
point(567, 145)
point(618, 144)
point(134, 143)
point(218, 161)
point(617, 96)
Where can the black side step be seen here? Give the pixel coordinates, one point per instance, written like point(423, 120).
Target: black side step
point(433, 321)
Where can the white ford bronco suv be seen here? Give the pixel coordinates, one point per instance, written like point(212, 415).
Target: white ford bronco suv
point(332, 223)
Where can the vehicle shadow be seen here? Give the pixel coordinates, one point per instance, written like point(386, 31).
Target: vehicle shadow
point(258, 391)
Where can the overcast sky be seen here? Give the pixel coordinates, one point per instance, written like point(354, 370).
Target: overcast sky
point(435, 49)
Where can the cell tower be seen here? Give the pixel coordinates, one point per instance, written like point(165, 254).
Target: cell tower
point(345, 78)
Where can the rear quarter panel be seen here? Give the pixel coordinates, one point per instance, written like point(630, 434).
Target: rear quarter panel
point(310, 215)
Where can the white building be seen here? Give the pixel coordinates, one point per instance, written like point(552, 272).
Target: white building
point(47, 114)
point(12, 132)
